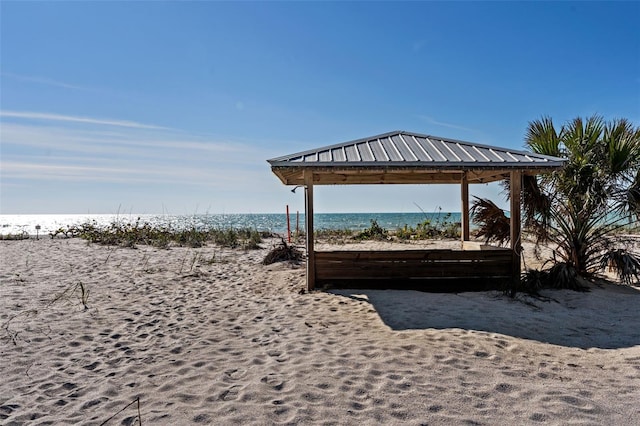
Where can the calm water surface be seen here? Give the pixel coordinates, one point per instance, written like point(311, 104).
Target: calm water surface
point(274, 222)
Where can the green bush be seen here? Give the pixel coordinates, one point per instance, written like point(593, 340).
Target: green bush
point(428, 229)
point(373, 232)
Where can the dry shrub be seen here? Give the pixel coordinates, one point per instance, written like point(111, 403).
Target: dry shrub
point(281, 253)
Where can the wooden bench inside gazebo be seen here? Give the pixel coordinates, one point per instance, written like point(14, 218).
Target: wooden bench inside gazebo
point(409, 158)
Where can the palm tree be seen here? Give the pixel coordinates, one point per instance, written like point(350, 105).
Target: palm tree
point(582, 209)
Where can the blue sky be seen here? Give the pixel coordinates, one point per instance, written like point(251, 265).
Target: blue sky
point(174, 107)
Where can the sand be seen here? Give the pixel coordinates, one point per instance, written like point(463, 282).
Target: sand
point(211, 336)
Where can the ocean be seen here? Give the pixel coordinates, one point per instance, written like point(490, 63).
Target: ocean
point(273, 222)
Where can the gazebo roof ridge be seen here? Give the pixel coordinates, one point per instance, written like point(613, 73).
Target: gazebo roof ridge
point(337, 145)
point(451, 153)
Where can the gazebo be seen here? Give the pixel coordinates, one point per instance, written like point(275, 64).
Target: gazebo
point(401, 157)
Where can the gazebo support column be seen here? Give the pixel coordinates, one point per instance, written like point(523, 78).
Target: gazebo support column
point(464, 192)
point(308, 217)
point(516, 232)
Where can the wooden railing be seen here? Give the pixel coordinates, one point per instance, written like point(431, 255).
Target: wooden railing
point(418, 268)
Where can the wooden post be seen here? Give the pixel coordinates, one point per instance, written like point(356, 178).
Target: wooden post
point(464, 192)
point(516, 237)
point(288, 226)
point(308, 216)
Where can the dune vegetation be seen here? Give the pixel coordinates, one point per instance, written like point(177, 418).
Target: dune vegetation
point(586, 210)
point(131, 234)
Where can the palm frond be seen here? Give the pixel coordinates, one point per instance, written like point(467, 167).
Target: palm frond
point(625, 263)
point(581, 137)
point(565, 276)
point(493, 224)
point(630, 198)
point(536, 207)
point(622, 144)
point(542, 137)
point(560, 276)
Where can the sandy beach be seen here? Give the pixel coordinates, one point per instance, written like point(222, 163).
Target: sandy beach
point(211, 336)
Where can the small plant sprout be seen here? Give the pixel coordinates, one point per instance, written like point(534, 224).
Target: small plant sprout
point(69, 292)
point(84, 295)
point(193, 261)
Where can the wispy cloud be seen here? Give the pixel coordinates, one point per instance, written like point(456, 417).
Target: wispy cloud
point(118, 173)
point(46, 81)
point(147, 143)
point(124, 152)
point(435, 122)
point(76, 119)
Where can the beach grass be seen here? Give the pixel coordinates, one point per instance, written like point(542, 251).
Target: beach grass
point(14, 237)
point(440, 228)
point(125, 234)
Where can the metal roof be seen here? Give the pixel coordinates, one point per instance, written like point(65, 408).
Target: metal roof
point(409, 151)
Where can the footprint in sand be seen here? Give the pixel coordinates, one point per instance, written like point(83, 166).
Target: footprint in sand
point(505, 388)
point(235, 373)
point(274, 381)
point(91, 366)
point(93, 403)
point(263, 340)
point(538, 417)
point(69, 386)
point(278, 355)
point(7, 409)
point(203, 418)
point(230, 394)
point(312, 397)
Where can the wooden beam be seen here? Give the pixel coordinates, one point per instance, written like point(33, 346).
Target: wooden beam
point(486, 176)
point(308, 202)
point(355, 176)
point(464, 193)
point(375, 178)
point(516, 234)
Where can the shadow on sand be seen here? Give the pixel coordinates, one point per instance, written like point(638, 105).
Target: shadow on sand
point(607, 317)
